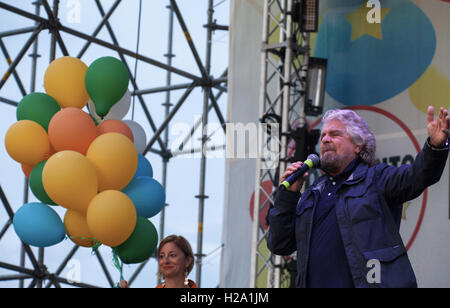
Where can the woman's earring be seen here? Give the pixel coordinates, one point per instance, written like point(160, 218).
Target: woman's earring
point(186, 280)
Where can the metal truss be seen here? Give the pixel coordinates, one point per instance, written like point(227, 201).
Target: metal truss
point(285, 52)
point(213, 89)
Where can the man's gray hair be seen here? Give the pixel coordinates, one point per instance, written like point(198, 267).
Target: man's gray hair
point(358, 130)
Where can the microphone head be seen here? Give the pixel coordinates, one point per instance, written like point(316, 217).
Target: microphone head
point(315, 160)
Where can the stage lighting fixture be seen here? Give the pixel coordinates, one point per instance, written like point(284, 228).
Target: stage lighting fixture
point(315, 86)
point(307, 12)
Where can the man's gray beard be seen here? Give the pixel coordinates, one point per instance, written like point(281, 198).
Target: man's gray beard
point(330, 164)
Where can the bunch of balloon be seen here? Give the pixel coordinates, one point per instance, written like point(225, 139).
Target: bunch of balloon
point(50, 141)
point(141, 244)
point(87, 163)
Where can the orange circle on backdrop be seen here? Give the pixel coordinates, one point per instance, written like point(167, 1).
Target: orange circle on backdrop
point(71, 129)
point(115, 126)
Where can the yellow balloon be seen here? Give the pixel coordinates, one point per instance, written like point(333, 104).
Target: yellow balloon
point(77, 229)
point(27, 142)
point(111, 217)
point(70, 180)
point(64, 81)
point(115, 159)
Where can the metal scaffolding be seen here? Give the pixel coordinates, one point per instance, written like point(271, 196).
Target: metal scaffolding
point(159, 142)
point(284, 62)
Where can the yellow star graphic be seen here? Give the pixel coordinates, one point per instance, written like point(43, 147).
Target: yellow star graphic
point(361, 26)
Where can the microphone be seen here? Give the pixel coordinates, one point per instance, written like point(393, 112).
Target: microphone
point(312, 161)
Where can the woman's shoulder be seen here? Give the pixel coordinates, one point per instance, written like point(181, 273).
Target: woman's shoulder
point(192, 284)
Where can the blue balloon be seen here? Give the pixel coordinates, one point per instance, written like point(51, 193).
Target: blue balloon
point(37, 224)
point(144, 168)
point(147, 194)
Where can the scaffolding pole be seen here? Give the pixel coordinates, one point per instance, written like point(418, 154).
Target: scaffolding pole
point(39, 273)
point(284, 52)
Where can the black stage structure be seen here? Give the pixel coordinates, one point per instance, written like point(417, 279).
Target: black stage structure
point(47, 22)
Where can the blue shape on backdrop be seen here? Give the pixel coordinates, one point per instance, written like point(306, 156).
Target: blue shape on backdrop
point(368, 70)
point(37, 224)
point(147, 194)
point(144, 168)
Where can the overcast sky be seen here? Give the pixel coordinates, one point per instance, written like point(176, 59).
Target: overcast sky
point(183, 172)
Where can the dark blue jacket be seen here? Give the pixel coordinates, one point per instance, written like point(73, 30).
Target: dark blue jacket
point(368, 210)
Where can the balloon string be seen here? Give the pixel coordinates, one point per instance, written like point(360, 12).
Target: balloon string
point(95, 243)
point(119, 265)
point(95, 248)
point(92, 116)
point(137, 50)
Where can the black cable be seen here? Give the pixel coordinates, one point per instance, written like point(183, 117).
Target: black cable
point(137, 50)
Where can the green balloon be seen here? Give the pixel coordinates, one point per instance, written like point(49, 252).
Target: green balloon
point(106, 81)
point(141, 244)
point(36, 184)
point(37, 107)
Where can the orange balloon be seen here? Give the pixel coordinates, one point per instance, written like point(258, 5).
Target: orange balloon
point(77, 229)
point(115, 160)
point(27, 142)
point(27, 170)
point(111, 217)
point(70, 180)
point(71, 129)
point(115, 126)
point(64, 81)
point(52, 151)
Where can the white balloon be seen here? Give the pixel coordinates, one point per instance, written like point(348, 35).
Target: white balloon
point(140, 139)
point(91, 108)
point(117, 111)
point(120, 109)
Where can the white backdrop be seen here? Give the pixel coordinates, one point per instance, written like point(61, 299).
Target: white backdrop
point(394, 107)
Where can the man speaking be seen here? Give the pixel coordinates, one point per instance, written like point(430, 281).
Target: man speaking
point(349, 218)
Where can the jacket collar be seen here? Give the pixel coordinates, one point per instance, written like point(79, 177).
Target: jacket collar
point(358, 174)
